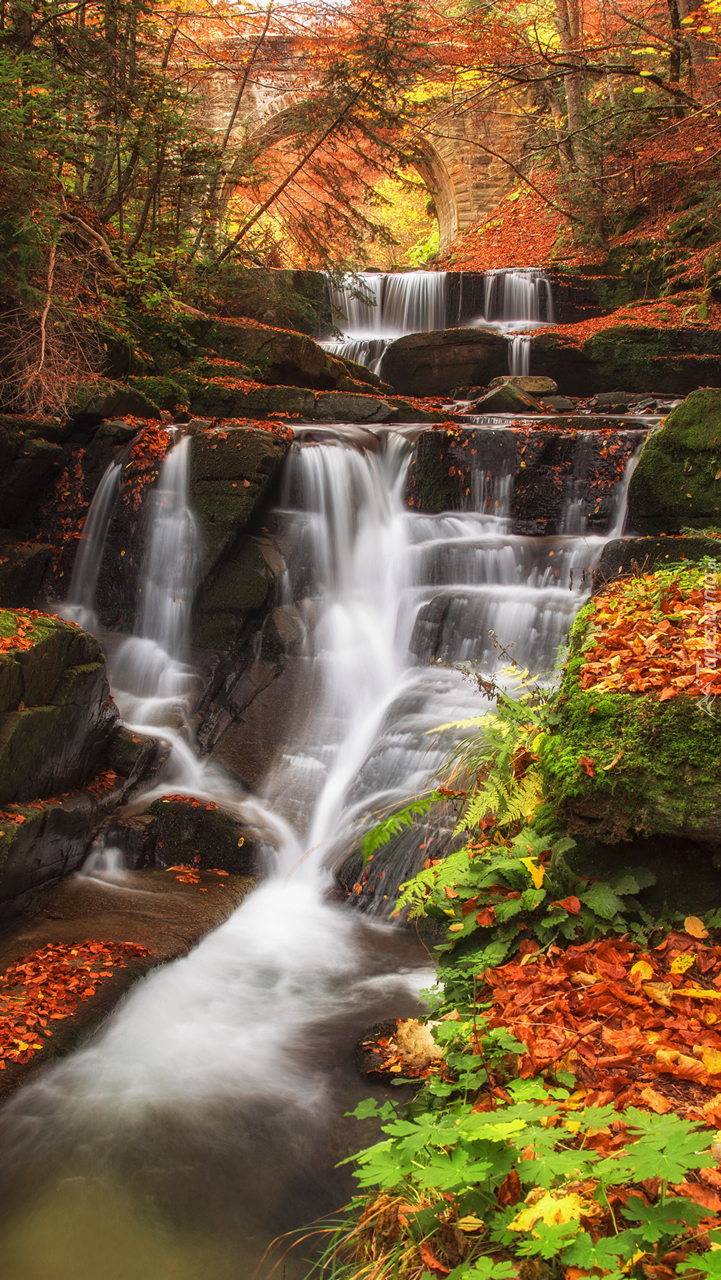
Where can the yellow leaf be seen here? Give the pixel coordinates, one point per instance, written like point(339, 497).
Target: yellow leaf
point(455, 928)
point(549, 1208)
point(661, 992)
point(643, 969)
point(535, 872)
point(699, 993)
point(682, 963)
point(711, 1059)
point(470, 1223)
point(695, 927)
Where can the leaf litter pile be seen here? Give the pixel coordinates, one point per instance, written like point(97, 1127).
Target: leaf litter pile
point(657, 634)
point(47, 986)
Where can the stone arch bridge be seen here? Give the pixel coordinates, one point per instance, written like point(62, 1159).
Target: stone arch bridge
point(465, 179)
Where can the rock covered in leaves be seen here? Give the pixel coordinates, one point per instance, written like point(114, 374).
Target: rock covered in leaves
point(637, 750)
point(678, 478)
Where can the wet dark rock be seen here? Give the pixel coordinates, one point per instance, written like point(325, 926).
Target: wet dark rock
point(232, 474)
point(213, 399)
point(560, 404)
point(678, 478)
point(472, 468)
point(635, 556)
point(56, 713)
point(25, 465)
point(22, 569)
point(188, 832)
point(340, 406)
point(433, 364)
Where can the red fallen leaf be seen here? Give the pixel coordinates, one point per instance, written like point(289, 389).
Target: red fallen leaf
point(450, 893)
point(701, 1195)
point(571, 904)
point(486, 917)
point(587, 765)
point(509, 1192)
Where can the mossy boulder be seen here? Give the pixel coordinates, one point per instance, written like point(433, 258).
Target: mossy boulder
point(622, 764)
point(192, 832)
point(282, 356)
point(673, 359)
point(101, 400)
point(678, 478)
point(56, 713)
point(218, 398)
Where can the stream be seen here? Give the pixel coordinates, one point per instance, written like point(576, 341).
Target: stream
point(206, 1116)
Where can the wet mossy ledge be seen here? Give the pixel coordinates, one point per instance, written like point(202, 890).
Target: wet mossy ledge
point(636, 753)
point(677, 481)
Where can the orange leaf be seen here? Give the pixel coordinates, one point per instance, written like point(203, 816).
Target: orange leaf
point(695, 927)
point(587, 765)
point(571, 904)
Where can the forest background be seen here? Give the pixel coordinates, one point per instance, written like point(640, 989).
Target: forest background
point(118, 199)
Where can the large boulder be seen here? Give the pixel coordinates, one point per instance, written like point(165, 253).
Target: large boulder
point(97, 401)
point(634, 753)
point(432, 364)
point(56, 713)
point(229, 398)
point(280, 355)
point(678, 478)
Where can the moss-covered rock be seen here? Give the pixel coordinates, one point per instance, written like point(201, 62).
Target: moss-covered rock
point(194, 833)
point(56, 713)
point(678, 478)
point(111, 400)
point(673, 359)
point(622, 764)
point(281, 355)
point(215, 398)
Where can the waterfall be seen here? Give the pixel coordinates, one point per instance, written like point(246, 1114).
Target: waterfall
point(390, 305)
point(79, 606)
point(212, 1097)
point(518, 294)
point(516, 299)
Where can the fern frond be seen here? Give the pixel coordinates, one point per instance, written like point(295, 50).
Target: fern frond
point(392, 826)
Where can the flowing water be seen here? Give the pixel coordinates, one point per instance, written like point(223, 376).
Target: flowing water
point(379, 308)
point(389, 306)
point(207, 1115)
point(79, 605)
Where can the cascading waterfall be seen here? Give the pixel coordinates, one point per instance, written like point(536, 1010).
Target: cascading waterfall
point(391, 305)
point(210, 1101)
point(81, 597)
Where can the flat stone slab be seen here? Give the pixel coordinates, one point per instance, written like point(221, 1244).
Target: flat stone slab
point(152, 909)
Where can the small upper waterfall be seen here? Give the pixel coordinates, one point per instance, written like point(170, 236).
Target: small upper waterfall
point(389, 306)
point(516, 299)
point(79, 606)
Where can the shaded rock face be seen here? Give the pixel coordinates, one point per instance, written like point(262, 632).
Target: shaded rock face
point(678, 478)
point(432, 364)
point(56, 713)
point(25, 465)
point(672, 360)
point(233, 472)
point(111, 400)
point(527, 474)
point(284, 357)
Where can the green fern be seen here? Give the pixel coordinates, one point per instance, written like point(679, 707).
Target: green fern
point(384, 831)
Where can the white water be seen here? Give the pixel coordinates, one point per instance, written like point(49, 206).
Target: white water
point(391, 305)
point(220, 1071)
point(79, 605)
point(518, 298)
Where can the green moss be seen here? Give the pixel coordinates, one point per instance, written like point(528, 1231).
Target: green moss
point(678, 478)
point(656, 766)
